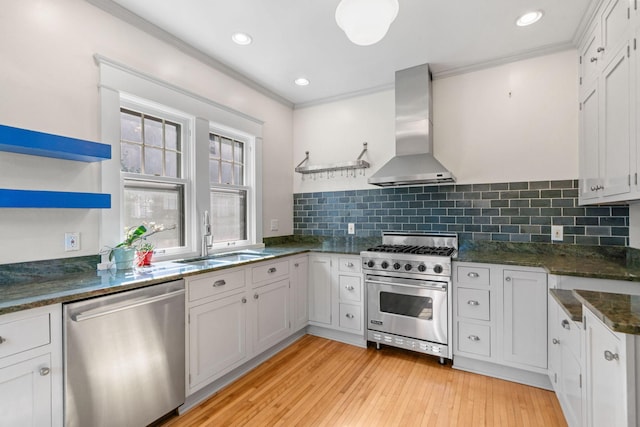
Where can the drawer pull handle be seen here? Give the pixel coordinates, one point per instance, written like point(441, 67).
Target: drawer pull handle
point(256, 296)
point(608, 356)
point(349, 316)
point(508, 279)
point(350, 264)
point(474, 338)
point(272, 270)
point(44, 371)
point(473, 275)
point(296, 265)
point(2, 340)
point(472, 302)
point(244, 300)
point(555, 341)
point(565, 324)
point(349, 288)
point(219, 283)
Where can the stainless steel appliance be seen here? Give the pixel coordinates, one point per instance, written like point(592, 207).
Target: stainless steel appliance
point(408, 280)
point(124, 358)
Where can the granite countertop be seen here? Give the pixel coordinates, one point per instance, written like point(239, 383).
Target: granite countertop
point(569, 303)
point(620, 312)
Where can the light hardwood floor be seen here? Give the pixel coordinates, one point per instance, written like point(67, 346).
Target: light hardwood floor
point(318, 382)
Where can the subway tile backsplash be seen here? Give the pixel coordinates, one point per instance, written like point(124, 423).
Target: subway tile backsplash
point(513, 212)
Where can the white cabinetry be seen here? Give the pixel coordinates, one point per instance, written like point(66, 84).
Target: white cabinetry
point(336, 298)
point(565, 363)
point(31, 367)
point(236, 314)
point(608, 95)
point(500, 321)
point(299, 268)
point(610, 375)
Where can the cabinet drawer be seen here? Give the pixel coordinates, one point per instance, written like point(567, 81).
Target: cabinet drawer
point(473, 303)
point(473, 276)
point(24, 334)
point(270, 271)
point(350, 317)
point(215, 283)
point(350, 288)
point(349, 265)
point(474, 339)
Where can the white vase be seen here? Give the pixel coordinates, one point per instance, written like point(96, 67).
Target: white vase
point(123, 257)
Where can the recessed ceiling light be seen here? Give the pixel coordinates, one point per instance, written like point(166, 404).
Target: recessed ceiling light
point(301, 81)
point(529, 18)
point(241, 38)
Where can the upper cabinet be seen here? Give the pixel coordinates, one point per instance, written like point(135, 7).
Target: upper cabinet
point(23, 141)
point(608, 97)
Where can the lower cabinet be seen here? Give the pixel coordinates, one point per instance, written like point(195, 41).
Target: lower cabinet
point(336, 297)
point(299, 268)
point(31, 367)
point(270, 314)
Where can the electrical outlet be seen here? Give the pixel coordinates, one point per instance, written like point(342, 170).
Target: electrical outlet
point(351, 228)
point(557, 233)
point(72, 241)
point(274, 225)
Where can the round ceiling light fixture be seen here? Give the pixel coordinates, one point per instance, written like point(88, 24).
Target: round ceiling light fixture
point(301, 81)
point(366, 22)
point(242, 39)
point(529, 18)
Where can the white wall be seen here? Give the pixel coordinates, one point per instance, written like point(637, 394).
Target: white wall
point(48, 82)
point(481, 133)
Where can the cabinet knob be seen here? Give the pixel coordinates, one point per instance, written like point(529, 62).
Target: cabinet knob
point(474, 337)
point(349, 288)
point(594, 59)
point(350, 264)
point(600, 49)
point(472, 302)
point(609, 356)
point(555, 341)
point(2, 340)
point(508, 279)
point(219, 283)
point(296, 265)
point(473, 275)
point(565, 324)
point(272, 270)
point(349, 316)
point(244, 300)
point(44, 371)
point(256, 296)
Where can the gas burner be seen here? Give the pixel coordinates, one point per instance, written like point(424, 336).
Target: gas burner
point(413, 249)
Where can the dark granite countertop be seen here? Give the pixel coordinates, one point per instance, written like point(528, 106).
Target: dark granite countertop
point(620, 312)
point(569, 303)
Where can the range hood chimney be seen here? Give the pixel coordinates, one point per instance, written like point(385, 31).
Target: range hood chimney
point(414, 163)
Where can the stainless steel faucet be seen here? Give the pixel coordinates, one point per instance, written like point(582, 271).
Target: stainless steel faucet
point(207, 237)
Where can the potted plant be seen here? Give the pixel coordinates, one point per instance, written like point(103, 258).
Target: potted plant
point(124, 252)
point(144, 252)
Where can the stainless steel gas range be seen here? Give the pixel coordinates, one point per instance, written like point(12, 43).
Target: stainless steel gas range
point(408, 280)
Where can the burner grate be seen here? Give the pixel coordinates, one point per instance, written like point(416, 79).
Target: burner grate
point(413, 249)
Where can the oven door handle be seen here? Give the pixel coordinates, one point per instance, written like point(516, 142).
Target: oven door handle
point(434, 287)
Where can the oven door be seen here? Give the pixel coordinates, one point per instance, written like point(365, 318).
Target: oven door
point(412, 308)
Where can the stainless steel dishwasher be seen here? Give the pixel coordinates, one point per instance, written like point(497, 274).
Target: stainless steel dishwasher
point(124, 357)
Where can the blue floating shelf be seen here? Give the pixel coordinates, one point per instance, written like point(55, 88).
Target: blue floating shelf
point(53, 199)
point(35, 143)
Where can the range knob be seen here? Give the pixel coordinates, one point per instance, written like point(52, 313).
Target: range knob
point(371, 263)
point(437, 269)
point(396, 266)
point(422, 268)
point(408, 267)
point(384, 264)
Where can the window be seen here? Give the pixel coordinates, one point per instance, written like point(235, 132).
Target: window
point(229, 176)
point(152, 167)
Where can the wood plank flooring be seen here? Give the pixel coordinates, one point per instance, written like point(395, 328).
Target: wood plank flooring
point(318, 382)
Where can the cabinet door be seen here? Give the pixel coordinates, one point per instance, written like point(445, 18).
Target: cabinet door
point(554, 358)
point(589, 143)
point(320, 289)
point(271, 314)
point(616, 126)
point(615, 23)
point(606, 375)
point(589, 56)
point(25, 393)
point(525, 318)
point(300, 292)
point(571, 387)
point(217, 339)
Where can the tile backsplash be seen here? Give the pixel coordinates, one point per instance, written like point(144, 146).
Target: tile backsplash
point(514, 211)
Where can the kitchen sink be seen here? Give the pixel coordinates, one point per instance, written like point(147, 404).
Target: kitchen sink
point(238, 257)
point(205, 262)
point(225, 258)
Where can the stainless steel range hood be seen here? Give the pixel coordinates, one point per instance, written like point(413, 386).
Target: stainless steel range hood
point(414, 163)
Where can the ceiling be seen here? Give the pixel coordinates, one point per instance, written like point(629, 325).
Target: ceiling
point(300, 38)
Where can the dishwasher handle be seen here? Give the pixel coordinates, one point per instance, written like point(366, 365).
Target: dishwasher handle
point(106, 310)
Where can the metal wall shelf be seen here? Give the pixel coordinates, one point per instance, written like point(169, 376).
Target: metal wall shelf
point(53, 199)
point(24, 141)
point(352, 165)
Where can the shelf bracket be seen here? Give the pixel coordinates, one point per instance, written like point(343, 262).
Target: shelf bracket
point(348, 166)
